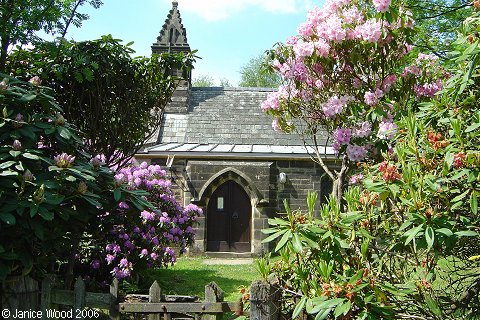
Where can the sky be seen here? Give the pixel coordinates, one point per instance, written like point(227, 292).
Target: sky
point(226, 33)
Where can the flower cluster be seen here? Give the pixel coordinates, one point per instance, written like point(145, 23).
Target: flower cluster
point(389, 172)
point(324, 87)
point(64, 160)
point(437, 140)
point(144, 238)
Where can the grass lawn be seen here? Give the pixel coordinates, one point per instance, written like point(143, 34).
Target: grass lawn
point(190, 275)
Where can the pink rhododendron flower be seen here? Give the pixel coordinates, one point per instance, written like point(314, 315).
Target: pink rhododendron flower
point(64, 160)
point(322, 48)
point(381, 5)
point(109, 258)
point(342, 135)
point(356, 153)
point(272, 102)
point(305, 29)
point(356, 179)
point(36, 81)
point(144, 253)
point(428, 89)
point(276, 125)
point(386, 130)
point(363, 130)
point(17, 145)
point(335, 105)
point(388, 82)
point(148, 216)
point(370, 31)
point(353, 16)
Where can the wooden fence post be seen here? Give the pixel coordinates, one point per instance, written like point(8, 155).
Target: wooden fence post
point(113, 312)
point(46, 297)
point(263, 301)
point(19, 293)
point(213, 293)
point(155, 296)
point(79, 295)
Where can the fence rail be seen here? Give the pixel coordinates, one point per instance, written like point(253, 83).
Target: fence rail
point(264, 301)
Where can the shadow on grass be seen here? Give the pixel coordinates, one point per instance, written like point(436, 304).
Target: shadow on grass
point(191, 282)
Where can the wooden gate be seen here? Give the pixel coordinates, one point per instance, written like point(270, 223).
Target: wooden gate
point(228, 219)
point(79, 304)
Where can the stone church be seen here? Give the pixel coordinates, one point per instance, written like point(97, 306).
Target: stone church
point(224, 156)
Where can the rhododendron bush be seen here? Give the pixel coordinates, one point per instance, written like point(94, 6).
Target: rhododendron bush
point(129, 239)
point(61, 207)
point(346, 72)
point(404, 243)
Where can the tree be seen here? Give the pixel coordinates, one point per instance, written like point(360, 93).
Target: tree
point(51, 188)
point(346, 75)
point(254, 74)
point(224, 82)
point(20, 20)
point(116, 101)
point(404, 244)
point(437, 22)
point(203, 81)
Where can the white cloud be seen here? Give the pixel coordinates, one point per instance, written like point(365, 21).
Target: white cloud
point(216, 10)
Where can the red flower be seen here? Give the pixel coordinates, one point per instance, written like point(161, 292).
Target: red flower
point(458, 159)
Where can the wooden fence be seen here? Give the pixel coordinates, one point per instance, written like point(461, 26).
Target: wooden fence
point(82, 304)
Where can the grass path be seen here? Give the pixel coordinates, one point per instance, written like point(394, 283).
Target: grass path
point(190, 275)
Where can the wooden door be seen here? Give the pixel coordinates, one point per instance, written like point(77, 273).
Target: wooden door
point(228, 219)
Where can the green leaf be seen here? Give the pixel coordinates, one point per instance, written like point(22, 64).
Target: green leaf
point(14, 153)
point(283, 240)
point(364, 247)
point(274, 236)
point(474, 202)
point(445, 231)
point(278, 221)
point(466, 233)
point(429, 236)
point(328, 304)
point(341, 243)
point(432, 305)
point(28, 97)
point(54, 199)
point(342, 308)
point(461, 196)
point(64, 132)
point(30, 156)
point(92, 201)
point(8, 218)
point(7, 164)
point(297, 244)
point(45, 214)
point(323, 315)
point(472, 127)
point(412, 233)
point(8, 173)
point(117, 194)
point(351, 218)
point(299, 307)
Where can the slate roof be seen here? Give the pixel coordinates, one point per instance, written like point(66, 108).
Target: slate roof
point(226, 122)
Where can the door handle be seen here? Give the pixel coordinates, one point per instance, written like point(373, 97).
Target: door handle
point(235, 215)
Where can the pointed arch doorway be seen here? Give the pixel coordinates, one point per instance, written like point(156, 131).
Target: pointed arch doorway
point(229, 219)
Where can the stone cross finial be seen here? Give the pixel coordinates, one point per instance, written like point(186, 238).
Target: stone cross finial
point(175, 3)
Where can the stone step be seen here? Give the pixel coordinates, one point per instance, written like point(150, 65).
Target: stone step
point(228, 255)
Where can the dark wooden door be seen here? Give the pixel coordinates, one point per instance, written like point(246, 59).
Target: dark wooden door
point(228, 219)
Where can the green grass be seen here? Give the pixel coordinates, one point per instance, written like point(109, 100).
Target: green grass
point(190, 275)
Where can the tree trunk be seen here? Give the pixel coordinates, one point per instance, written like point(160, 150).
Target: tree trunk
point(339, 183)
